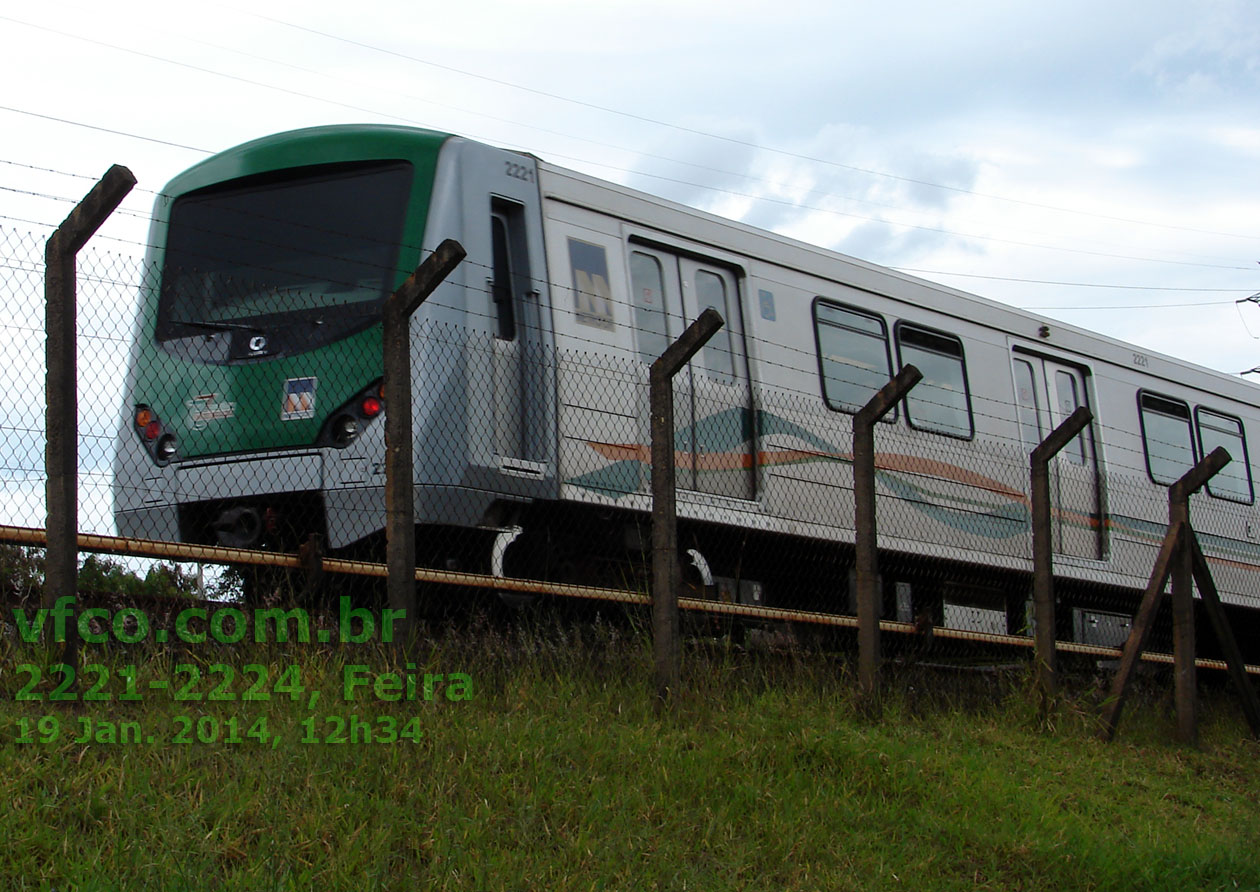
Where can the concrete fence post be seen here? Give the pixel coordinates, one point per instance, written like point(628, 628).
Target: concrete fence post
point(1043, 550)
point(1182, 573)
point(865, 534)
point(400, 509)
point(665, 571)
point(1176, 559)
point(61, 456)
point(1225, 636)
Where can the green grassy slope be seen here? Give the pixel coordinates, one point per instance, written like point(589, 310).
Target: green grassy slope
point(558, 773)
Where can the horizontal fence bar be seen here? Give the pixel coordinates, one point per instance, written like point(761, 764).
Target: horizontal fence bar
point(218, 554)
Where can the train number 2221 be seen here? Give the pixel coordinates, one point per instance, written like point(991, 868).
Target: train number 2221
point(520, 171)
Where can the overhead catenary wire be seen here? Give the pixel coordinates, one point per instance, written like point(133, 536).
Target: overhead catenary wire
point(758, 344)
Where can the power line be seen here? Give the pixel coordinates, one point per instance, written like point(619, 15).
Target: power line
point(428, 100)
point(729, 139)
point(907, 270)
point(1203, 303)
point(594, 106)
point(731, 192)
point(163, 142)
point(934, 272)
point(667, 179)
point(233, 77)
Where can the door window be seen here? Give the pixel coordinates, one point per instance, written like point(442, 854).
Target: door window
point(648, 287)
point(1026, 404)
point(719, 355)
point(1069, 400)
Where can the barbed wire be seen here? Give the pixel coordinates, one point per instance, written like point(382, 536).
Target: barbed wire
point(999, 415)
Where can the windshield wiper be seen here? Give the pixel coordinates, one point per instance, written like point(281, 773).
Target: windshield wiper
point(217, 326)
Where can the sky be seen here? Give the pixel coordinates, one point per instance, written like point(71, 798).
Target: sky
point(1096, 162)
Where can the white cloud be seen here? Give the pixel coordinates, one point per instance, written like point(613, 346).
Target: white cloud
point(1072, 137)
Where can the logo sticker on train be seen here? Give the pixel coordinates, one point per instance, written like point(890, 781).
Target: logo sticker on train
point(298, 401)
point(207, 407)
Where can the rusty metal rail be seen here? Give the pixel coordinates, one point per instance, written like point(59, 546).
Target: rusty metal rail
point(216, 554)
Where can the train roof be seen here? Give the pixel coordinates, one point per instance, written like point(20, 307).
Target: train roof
point(297, 147)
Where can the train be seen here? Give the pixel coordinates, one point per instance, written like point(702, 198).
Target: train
point(253, 409)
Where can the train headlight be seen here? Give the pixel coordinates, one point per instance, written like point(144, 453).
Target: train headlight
point(345, 428)
point(166, 447)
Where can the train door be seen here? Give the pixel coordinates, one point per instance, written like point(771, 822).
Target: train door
point(1047, 392)
point(713, 430)
point(518, 372)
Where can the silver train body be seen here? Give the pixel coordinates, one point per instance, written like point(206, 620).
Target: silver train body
point(529, 374)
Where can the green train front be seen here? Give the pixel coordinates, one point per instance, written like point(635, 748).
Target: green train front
point(254, 410)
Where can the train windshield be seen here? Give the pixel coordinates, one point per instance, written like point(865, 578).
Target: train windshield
point(316, 245)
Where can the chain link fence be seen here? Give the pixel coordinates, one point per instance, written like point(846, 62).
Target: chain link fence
point(205, 420)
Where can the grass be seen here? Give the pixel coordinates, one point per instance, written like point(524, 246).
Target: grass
point(559, 773)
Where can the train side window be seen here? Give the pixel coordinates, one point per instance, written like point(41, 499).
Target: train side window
point(941, 402)
point(510, 278)
point(648, 287)
point(501, 280)
point(1167, 437)
point(853, 356)
point(1232, 482)
point(592, 294)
